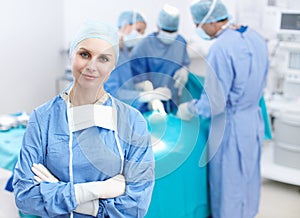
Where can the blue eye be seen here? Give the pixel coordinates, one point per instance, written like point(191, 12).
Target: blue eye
point(84, 54)
point(104, 59)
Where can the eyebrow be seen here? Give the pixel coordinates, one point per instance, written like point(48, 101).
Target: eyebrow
point(83, 48)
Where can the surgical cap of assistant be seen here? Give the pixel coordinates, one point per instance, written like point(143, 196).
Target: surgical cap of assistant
point(200, 8)
point(130, 17)
point(168, 18)
point(96, 29)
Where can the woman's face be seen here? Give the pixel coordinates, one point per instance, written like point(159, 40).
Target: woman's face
point(93, 60)
point(140, 27)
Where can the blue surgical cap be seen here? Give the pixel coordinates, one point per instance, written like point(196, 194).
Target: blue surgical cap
point(200, 8)
point(129, 17)
point(138, 17)
point(168, 18)
point(96, 29)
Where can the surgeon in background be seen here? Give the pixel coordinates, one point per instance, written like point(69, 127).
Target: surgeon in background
point(233, 88)
point(84, 153)
point(162, 59)
point(132, 26)
point(120, 84)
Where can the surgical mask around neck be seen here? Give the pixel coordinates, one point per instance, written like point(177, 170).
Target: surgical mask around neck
point(132, 39)
point(166, 37)
point(85, 116)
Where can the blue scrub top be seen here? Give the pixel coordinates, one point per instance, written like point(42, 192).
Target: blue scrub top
point(152, 55)
point(157, 62)
point(46, 141)
point(121, 74)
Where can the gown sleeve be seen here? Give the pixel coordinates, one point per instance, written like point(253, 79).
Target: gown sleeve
point(186, 58)
point(42, 199)
point(217, 84)
point(139, 174)
point(139, 62)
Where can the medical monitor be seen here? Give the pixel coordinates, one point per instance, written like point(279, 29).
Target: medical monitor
point(288, 25)
point(290, 21)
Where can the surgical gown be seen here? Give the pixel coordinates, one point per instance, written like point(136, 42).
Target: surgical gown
point(239, 59)
point(46, 141)
point(156, 61)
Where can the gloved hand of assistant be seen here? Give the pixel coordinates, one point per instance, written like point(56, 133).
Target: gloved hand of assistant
point(157, 105)
point(144, 86)
point(180, 77)
point(110, 188)
point(42, 174)
point(183, 112)
point(161, 93)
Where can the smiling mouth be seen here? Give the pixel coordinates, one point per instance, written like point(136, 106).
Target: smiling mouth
point(88, 76)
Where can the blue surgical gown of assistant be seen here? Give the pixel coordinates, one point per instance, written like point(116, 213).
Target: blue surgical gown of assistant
point(239, 63)
point(121, 83)
point(156, 61)
point(46, 141)
point(121, 74)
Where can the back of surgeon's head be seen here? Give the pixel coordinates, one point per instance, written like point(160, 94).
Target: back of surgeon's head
point(208, 11)
point(96, 29)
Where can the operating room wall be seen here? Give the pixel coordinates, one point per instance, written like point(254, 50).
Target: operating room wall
point(76, 12)
point(30, 41)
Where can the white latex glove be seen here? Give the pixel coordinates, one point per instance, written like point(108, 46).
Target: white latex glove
point(183, 112)
point(89, 207)
point(180, 77)
point(161, 93)
point(42, 174)
point(109, 188)
point(157, 105)
point(144, 86)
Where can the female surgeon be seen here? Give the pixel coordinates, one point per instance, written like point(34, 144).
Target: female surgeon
point(233, 87)
point(132, 26)
point(85, 153)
